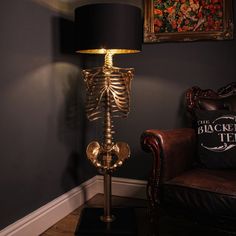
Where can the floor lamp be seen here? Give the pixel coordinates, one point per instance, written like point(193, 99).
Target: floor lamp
point(107, 29)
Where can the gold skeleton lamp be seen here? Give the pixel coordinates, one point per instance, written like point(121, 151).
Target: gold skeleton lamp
point(108, 29)
point(108, 95)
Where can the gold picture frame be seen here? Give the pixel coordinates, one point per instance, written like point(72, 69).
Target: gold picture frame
point(187, 20)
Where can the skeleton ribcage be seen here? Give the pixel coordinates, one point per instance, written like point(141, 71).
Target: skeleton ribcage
point(114, 83)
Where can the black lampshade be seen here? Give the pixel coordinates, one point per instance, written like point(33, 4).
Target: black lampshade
point(108, 26)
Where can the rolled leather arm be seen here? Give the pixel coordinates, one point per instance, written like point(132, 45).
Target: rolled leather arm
point(173, 151)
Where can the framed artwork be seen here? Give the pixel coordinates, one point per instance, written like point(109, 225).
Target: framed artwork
point(187, 20)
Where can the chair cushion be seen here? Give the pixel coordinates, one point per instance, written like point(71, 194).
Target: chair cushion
point(203, 190)
point(216, 135)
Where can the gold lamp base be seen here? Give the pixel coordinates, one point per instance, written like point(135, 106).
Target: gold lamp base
point(107, 219)
point(108, 96)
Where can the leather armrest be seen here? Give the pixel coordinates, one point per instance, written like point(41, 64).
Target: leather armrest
point(173, 151)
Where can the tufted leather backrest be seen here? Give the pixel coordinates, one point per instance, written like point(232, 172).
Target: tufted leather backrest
point(208, 99)
point(220, 103)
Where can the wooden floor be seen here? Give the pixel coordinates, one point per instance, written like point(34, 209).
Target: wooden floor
point(67, 226)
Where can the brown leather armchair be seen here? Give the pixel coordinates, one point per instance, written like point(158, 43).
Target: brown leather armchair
point(176, 183)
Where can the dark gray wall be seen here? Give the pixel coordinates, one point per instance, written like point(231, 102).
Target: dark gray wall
point(42, 122)
point(42, 125)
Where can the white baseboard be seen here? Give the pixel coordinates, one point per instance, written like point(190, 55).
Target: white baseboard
point(43, 218)
point(125, 187)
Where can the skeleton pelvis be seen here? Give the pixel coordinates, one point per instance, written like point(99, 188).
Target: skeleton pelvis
point(108, 160)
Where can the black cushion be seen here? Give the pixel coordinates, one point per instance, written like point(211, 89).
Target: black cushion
point(211, 191)
point(216, 132)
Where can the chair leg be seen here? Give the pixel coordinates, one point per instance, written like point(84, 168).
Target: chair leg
point(153, 206)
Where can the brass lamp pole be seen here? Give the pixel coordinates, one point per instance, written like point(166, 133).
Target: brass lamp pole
point(108, 29)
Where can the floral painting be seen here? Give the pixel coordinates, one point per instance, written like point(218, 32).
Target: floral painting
point(188, 16)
